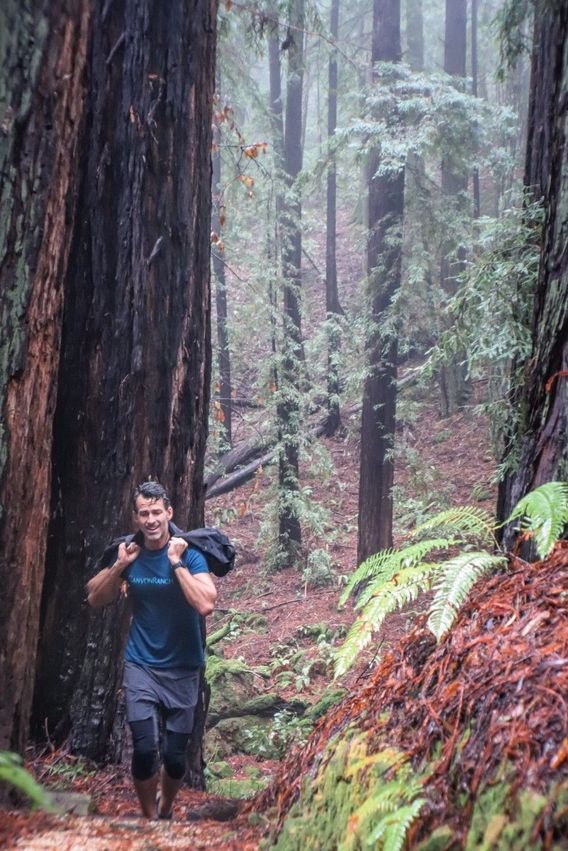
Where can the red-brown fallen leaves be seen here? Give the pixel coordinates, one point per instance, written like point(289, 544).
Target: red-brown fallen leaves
point(494, 690)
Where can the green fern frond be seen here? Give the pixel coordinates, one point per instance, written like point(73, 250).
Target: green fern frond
point(465, 522)
point(404, 588)
point(390, 833)
point(456, 579)
point(13, 772)
point(544, 513)
point(367, 568)
point(382, 566)
point(388, 758)
point(409, 557)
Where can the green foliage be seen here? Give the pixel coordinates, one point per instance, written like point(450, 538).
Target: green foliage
point(544, 514)
point(14, 774)
point(383, 820)
point(288, 730)
point(492, 312)
point(454, 583)
point(393, 578)
point(319, 569)
point(512, 22)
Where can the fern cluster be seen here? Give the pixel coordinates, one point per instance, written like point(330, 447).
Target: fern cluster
point(387, 814)
point(392, 578)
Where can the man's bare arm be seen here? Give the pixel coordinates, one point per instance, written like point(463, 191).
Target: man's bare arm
point(198, 589)
point(104, 587)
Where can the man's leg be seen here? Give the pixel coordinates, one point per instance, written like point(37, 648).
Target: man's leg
point(145, 764)
point(173, 769)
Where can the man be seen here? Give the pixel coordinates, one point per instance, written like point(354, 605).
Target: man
point(170, 588)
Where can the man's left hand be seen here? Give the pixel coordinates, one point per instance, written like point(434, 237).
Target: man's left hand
point(176, 548)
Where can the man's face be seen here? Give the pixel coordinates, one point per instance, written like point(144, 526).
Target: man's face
point(152, 517)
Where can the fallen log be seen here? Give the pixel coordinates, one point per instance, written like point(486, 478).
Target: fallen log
point(240, 477)
point(236, 457)
point(246, 450)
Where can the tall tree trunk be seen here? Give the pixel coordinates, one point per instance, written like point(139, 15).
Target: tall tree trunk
point(224, 357)
point(42, 61)
point(386, 202)
point(415, 34)
point(474, 75)
point(288, 409)
point(333, 308)
point(135, 366)
point(453, 384)
point(540, 437)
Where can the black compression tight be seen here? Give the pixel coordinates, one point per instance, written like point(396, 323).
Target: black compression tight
point(145, 750)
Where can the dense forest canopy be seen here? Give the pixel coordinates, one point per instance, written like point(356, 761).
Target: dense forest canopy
point(238, 246)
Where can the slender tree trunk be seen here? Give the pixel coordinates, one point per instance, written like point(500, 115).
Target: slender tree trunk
point(224, 357)
point(453, 385)
point(42, 65)
point(415, 34)
point(333, 307)
point(474, 75)
point(288, 409)
point(386, 202)
point(540, 437)
point(134, 374)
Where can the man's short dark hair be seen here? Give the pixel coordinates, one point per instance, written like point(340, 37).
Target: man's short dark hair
point(151, 490)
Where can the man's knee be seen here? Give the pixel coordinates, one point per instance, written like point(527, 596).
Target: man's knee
point(145, 749)
point(174, 754)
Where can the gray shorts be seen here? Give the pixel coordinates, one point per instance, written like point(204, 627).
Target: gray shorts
point(153, 692)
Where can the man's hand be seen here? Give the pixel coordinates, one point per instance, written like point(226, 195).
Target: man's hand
point(176, 548)
point(127, 554)
point(105, 587)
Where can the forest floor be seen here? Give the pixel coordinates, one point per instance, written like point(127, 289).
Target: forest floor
point(440, 463)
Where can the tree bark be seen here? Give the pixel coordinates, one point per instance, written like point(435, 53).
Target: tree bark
point(386, 203)
point(415, 34)
point(540, 436)
point(41, 66)
point(453, 384)
point(223, 353)
point(135, 366)
point(333, 307)
point(474, 75)
point(288, 408)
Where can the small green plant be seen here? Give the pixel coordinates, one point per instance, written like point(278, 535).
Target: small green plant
point(66, 772)
point(289, 730)
point(14, 774)
point(392, 578)
point(319, 569)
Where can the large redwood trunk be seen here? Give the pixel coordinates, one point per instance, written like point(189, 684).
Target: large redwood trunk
point(386, 203)
point(540, 438)
point(41, 67)
point(135, 366)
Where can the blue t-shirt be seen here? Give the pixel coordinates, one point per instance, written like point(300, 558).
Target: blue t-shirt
point(165, 631)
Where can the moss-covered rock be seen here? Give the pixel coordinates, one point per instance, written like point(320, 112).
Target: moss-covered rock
point(249, 734)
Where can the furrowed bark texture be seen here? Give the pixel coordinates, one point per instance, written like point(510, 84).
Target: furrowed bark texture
point(42, 59)
point(135, 363)
point(386, 204)
point(543, 402)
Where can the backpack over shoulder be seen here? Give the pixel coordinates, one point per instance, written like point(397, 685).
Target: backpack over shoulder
point(217, 549)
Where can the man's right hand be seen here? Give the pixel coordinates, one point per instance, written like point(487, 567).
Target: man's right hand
point(104, 588)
